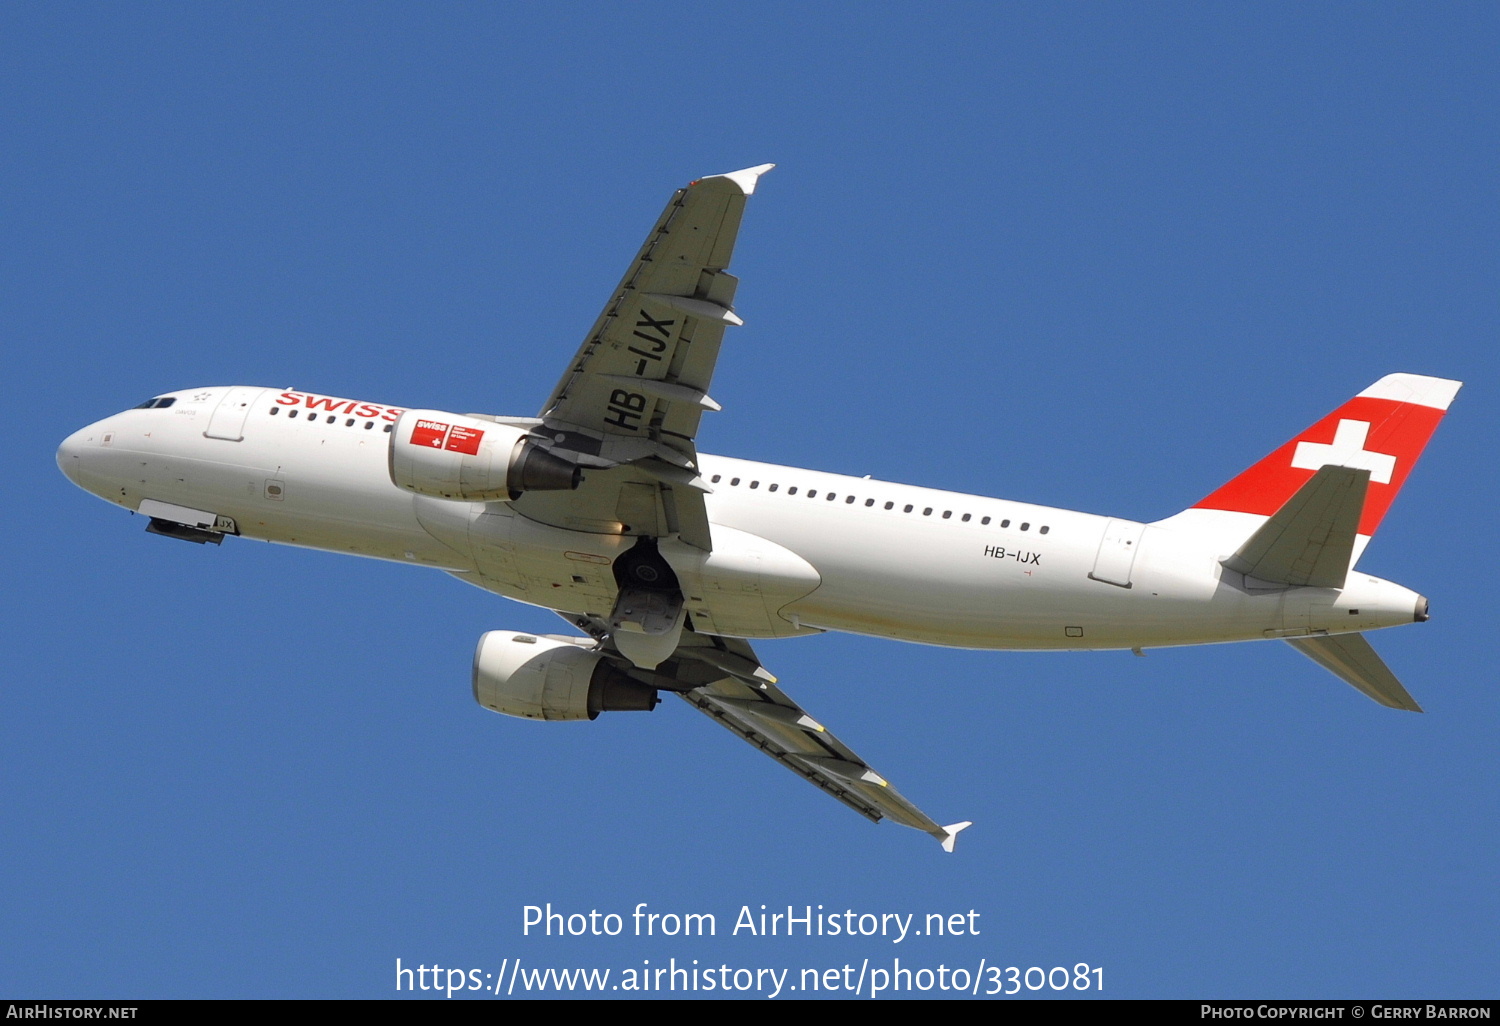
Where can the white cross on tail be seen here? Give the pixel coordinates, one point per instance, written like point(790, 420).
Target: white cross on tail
point(1346, 450)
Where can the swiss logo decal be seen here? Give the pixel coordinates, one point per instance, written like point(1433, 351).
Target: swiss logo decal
point(434, 434)
point(429, 433)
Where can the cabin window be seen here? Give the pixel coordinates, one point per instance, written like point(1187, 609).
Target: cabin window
point(869, 502)
point(947, 513)
point(734, 481)
point(274, 410)
point(792, 490)
point(1005, 523)
point(906, 508)
point(754, 484)
point(985, 520)
point(717, 478)
point(890, 505)
point(292, 414)
point(369, 424)
point(1044, 530)
point(966, 517)
point(812, 494)
point(1025, 527)
point(771, 488)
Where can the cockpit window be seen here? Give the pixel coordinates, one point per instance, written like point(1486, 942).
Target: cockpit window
point(157, 404)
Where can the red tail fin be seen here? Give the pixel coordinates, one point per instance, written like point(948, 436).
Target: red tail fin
point(1383, 430)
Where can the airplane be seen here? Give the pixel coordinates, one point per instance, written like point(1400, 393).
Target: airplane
point(671, 562)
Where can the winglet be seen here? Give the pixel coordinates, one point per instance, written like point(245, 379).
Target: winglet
point(951, 832)
point(746, 178)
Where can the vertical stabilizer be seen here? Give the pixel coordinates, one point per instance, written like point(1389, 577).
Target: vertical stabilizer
point(1382, 430)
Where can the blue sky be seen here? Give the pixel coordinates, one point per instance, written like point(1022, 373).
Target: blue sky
point(1095, 256)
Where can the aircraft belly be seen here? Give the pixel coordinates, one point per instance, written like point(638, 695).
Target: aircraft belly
point(736, 590)
point(741, 588)
point(938, 584)
point(958, 586)
point(332, 497)
point(384, 529)
point(558, 568)
point(1186, 597)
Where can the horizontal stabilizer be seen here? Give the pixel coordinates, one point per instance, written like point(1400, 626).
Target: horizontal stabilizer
point(1350, 657)
point(1309, 541)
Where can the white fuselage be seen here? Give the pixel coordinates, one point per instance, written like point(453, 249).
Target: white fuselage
point(795, 551)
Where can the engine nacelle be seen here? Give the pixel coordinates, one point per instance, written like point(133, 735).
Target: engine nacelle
point(450, 456)
point(551, 678)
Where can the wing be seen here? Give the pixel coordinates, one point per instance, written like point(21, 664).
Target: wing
point(723, 678)
point(628, 406)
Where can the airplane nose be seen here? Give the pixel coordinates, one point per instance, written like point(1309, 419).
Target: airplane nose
point(81, 455)
point(70, 455)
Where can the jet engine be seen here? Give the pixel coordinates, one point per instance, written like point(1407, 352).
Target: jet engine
point(450, 456)
point(552, 678)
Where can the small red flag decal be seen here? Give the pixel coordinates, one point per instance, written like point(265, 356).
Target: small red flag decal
point(464, 439)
